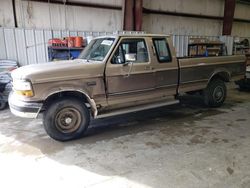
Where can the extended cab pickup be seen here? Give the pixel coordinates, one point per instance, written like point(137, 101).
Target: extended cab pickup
point(114, 75)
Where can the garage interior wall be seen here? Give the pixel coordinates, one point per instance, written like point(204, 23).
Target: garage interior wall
point(6, 14)
point(44, 16)
point(239, 28)
point(184, 25)
point(54, 16)
point(194, 26)
point(38, 22)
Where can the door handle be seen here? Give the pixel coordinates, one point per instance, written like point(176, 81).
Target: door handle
point(149, 68)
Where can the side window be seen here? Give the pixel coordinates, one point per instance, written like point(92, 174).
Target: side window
point(162, 50)
point(131, 50)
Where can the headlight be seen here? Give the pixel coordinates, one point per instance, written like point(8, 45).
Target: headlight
point(23, 87)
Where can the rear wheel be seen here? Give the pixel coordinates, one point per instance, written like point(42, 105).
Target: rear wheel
point(215, 93)
point(66, 119)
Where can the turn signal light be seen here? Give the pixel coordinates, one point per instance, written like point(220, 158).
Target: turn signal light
point(28, 93)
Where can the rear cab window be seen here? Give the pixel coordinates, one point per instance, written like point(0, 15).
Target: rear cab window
point(162, 50)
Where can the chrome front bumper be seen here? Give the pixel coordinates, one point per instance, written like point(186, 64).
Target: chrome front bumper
point(23, 109)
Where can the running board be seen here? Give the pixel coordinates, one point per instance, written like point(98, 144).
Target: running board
point(136, 108)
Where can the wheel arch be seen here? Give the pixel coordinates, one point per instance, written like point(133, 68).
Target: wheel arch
point(222, 74)
point(81, 95)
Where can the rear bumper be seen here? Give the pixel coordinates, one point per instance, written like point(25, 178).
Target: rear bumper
point(24, 109)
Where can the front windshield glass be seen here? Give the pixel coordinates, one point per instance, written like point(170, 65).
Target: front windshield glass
point(97, 49)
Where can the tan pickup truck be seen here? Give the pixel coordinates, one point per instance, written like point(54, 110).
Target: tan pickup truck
point(114, 75)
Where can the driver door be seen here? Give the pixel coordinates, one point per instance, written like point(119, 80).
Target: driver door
point(130, 75)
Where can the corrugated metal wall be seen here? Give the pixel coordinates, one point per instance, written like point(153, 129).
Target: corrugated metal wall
point(29, 46)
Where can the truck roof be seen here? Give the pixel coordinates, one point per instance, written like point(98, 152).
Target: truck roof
point(134, 35)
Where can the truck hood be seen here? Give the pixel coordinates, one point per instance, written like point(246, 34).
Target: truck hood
point(58, 71)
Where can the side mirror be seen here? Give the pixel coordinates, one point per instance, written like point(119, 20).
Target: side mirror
point(130, 57)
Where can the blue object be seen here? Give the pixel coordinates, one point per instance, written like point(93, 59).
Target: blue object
point(63, 53)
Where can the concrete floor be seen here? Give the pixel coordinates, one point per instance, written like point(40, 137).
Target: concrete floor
point(178, 146)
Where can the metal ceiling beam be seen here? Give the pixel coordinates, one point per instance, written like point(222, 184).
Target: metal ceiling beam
point(128, 15)
point(138, 14)
point(229, 9)
point(81, 4)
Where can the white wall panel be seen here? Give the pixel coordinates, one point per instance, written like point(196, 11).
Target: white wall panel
point(180, 25)
point(47, 36)
point(21, 46)
point(6, 13)
point(3, 54)
point(31, 46)
point(44, 15)
point(241, 29)
point(40, 46)
point(205, 7)
point(10, 42)
point(242, 11)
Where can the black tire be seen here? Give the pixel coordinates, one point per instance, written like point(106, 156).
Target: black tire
point(242, 88)
point(215, 93)
point(62, 110)
point(3, 103)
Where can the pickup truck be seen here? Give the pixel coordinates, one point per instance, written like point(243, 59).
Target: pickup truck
point(114, 75)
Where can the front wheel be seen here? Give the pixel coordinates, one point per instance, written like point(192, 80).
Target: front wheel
point(215, 93)
point(3, 104)
point(66, 119)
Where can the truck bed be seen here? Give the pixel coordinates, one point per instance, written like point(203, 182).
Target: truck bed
point(196, 72)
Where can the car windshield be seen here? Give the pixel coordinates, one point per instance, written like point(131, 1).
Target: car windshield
point(97, 49)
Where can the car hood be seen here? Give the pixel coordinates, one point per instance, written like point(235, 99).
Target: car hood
point(58, 71)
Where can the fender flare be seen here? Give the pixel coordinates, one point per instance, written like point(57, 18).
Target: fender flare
point(219, 72)
point(89, 99)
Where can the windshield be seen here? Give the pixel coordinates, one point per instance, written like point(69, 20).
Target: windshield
point(97, 49)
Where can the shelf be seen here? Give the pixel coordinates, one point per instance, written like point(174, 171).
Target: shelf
point(213, 48)
point(63, 53)
point(206, 43)
point(65, 48)
point(242, 47)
